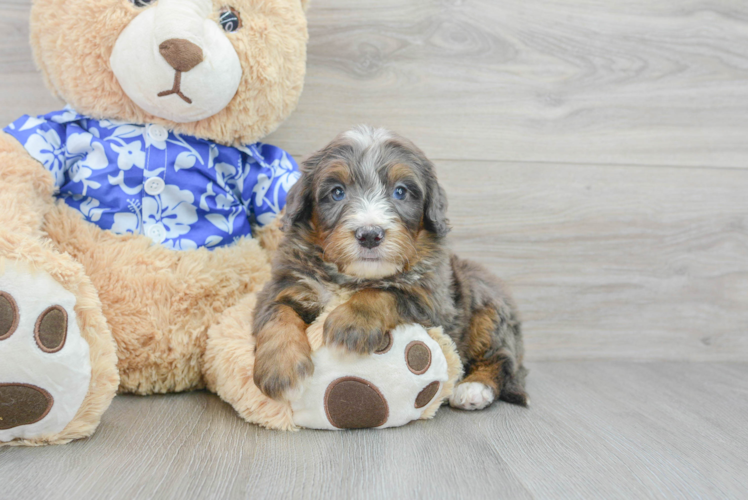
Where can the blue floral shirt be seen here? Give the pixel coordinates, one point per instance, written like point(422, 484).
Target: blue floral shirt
point(181, 191)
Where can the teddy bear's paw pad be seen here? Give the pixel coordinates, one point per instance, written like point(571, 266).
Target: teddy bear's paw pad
point(427, 394)
point(51, 329)
point(388, 388)
point(418, 357)
point(8, 315)
point(45, 368)
point(354, 403)
point(23, 404)
point(471, 396)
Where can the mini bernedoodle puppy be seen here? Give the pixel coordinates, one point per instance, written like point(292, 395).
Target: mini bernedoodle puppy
point(368, 216)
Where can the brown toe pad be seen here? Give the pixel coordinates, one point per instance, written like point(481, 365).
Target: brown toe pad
point(8, 315)
point(23, 404)
point(427, 394)
point(418, 357)
point(354, 403)
point(52, 329)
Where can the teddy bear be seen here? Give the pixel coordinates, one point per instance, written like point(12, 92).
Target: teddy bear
point(138, 223)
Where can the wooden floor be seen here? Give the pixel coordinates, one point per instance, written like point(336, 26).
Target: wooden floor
point(595, 154)
point(595, 430)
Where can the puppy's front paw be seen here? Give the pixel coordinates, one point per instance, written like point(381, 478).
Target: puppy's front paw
point(278, 371)
point(355, 330)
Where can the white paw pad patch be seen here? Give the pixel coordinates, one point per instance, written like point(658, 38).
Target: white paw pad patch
point(388, 388)
point(471, 396)
point(45, 369)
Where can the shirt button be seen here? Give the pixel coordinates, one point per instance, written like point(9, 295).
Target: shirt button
point(154, 186)
point(157, 233)
point(158, 133)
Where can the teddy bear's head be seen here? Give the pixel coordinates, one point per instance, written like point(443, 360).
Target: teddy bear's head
point(226, 70)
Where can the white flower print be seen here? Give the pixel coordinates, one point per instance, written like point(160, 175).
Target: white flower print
point(261, 188)
point(66, 116)
point(174, 208)
point(46, 147)
point(89, 209)
point(32, 122)
point(283, 172)
point(180, 244)
point(130, 155)
point(129, 222)
point(84, 156)
point(185, 160)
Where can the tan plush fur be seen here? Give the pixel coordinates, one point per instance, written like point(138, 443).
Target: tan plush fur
point(73, 41)
point(25, 198)
point(159, 303)
point(143, 309)
point(454, 371)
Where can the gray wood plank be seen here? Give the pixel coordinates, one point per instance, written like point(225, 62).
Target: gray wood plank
point(627, 82)
point(594, 430)
point(611, 262)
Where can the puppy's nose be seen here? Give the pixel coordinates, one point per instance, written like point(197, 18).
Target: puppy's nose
point(182, 55)
point(370, 237)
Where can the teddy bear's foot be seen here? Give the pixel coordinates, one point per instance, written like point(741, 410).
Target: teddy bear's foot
point(45, 371)
point(405, 379)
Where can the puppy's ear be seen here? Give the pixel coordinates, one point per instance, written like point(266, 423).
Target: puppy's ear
point(435, 213)
point(299, 201)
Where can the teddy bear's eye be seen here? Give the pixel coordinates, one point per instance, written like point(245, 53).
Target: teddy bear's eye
point(230, 20)
point(142, 3)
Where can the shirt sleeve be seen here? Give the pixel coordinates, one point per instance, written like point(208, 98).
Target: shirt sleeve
point(272, 172)
point(44, 140)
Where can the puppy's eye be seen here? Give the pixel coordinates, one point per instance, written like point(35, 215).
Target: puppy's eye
point(337, 194)
point(230, 19)
point(399, 193)
point(142, 3)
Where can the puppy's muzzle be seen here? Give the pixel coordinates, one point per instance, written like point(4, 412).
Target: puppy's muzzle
point(370, 236)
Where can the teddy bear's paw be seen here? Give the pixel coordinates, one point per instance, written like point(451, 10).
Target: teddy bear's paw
point(45, 369)
point(471, 396)
point(388, 388)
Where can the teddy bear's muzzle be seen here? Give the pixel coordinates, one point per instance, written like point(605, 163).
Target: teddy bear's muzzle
point(175, 61)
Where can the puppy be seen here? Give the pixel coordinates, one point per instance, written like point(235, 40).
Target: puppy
point(368, 217)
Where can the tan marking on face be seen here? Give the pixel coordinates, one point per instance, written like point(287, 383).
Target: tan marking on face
point(337, 170)
point(400, 172)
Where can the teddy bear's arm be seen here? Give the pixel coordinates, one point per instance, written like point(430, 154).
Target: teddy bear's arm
point(26, 194)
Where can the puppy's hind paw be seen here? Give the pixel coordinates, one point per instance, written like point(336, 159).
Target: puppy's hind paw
point(471, 396)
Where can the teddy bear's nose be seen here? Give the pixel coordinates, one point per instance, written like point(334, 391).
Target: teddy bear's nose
point(182, 55)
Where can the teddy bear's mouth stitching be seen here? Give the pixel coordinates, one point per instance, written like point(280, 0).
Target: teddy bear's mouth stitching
point(175, 89)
